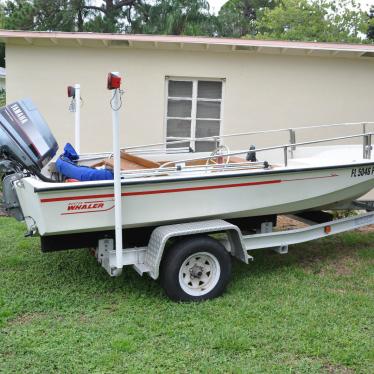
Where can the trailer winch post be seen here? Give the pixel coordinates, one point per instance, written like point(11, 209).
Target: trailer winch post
point(114, 81)
point(77, 117)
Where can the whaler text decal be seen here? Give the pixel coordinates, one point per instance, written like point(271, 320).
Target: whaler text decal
point(77, 207)
point(85, 206)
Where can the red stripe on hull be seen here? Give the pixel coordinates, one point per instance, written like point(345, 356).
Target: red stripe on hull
point(153, 192)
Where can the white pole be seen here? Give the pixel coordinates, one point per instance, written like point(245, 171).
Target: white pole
point(116, 102)
point(77, 100)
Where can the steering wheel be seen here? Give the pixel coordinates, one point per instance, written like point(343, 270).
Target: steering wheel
point(221, 151)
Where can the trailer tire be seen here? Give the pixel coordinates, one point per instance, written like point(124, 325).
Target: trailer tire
point(195, 269)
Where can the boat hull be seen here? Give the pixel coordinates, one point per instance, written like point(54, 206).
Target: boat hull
point(84, 208)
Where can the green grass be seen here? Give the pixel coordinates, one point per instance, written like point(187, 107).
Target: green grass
point(311, 311)
point(2, 98)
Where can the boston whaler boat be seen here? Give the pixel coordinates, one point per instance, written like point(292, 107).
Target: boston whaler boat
point(160, 194)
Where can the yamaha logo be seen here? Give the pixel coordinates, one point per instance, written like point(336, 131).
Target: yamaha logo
point(19, 113)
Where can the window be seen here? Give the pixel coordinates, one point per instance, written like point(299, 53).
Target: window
point(194, 110)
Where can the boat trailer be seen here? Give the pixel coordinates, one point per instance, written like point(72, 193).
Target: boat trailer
point(149, 259)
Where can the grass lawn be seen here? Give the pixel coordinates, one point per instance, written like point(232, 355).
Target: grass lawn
point(311, 311)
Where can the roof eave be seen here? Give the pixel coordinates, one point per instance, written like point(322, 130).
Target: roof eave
point(186, 43)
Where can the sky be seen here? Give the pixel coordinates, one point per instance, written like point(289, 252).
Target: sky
point(215, 5)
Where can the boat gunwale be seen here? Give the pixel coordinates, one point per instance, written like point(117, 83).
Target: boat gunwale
point(145, 181)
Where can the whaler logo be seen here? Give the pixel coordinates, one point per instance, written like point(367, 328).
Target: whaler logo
point(88, 207)
point(85, 206)
point(19, 113)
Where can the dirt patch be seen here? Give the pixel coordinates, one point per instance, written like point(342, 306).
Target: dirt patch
point(343, 266)
point(342, 263)
point(337, 369)
point(287, 223)
point(317, 262)
point(320, 262)
point(369, 228)
point(83, 318)
point(23, 319)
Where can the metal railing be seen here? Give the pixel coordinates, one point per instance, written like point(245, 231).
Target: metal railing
point(218, 138)
point(288, 149)
point(367, 147)
point(175, 166)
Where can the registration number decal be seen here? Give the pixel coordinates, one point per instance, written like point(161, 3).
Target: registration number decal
point(362, 172)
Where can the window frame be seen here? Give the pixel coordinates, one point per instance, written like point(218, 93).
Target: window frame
point(194, 99)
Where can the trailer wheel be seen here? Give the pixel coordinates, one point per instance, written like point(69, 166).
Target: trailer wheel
point(196, 269)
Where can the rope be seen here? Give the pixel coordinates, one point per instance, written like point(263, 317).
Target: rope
point(116, 92)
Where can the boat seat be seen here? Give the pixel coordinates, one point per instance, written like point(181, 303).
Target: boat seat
point(132, 162)
point(233, 160)
point(128, 162)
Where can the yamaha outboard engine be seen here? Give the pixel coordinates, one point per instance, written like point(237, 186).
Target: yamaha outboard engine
point(26, 146)
point(25, 138)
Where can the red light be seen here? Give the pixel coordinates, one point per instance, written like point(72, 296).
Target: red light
point(114, 81)
point(327, 229)
point(71, 91)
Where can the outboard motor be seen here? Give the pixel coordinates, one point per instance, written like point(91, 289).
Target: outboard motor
point(26, 146)
point(25, 138)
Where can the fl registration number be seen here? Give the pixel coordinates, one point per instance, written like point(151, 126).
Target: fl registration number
point(361, 172)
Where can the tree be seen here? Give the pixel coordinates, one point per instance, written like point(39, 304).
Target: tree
point(370, 32)
point(66, 15)
point(142, 16)
point(174, 17)
point(42, 15)
point(19, 15)
point(238, 17)
point(313, 20)
point(110, 16)
point(54, 15)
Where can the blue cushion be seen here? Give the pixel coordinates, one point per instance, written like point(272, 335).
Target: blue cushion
point(66, 165)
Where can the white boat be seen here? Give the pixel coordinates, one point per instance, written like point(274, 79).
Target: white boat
point(162, 186)
point(133, 204)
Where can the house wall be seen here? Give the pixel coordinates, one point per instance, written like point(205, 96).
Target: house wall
point(261, 91)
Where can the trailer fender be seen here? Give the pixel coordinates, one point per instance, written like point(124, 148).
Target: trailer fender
point(232, 242)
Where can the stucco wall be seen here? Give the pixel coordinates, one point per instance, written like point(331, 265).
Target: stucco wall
point(261, 91)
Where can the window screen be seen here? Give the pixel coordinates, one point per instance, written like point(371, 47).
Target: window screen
point(180, 89)
point(179, 108)
point(209, 90)
point(194, 110)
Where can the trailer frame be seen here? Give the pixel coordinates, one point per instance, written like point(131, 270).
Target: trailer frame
point(148, 259)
